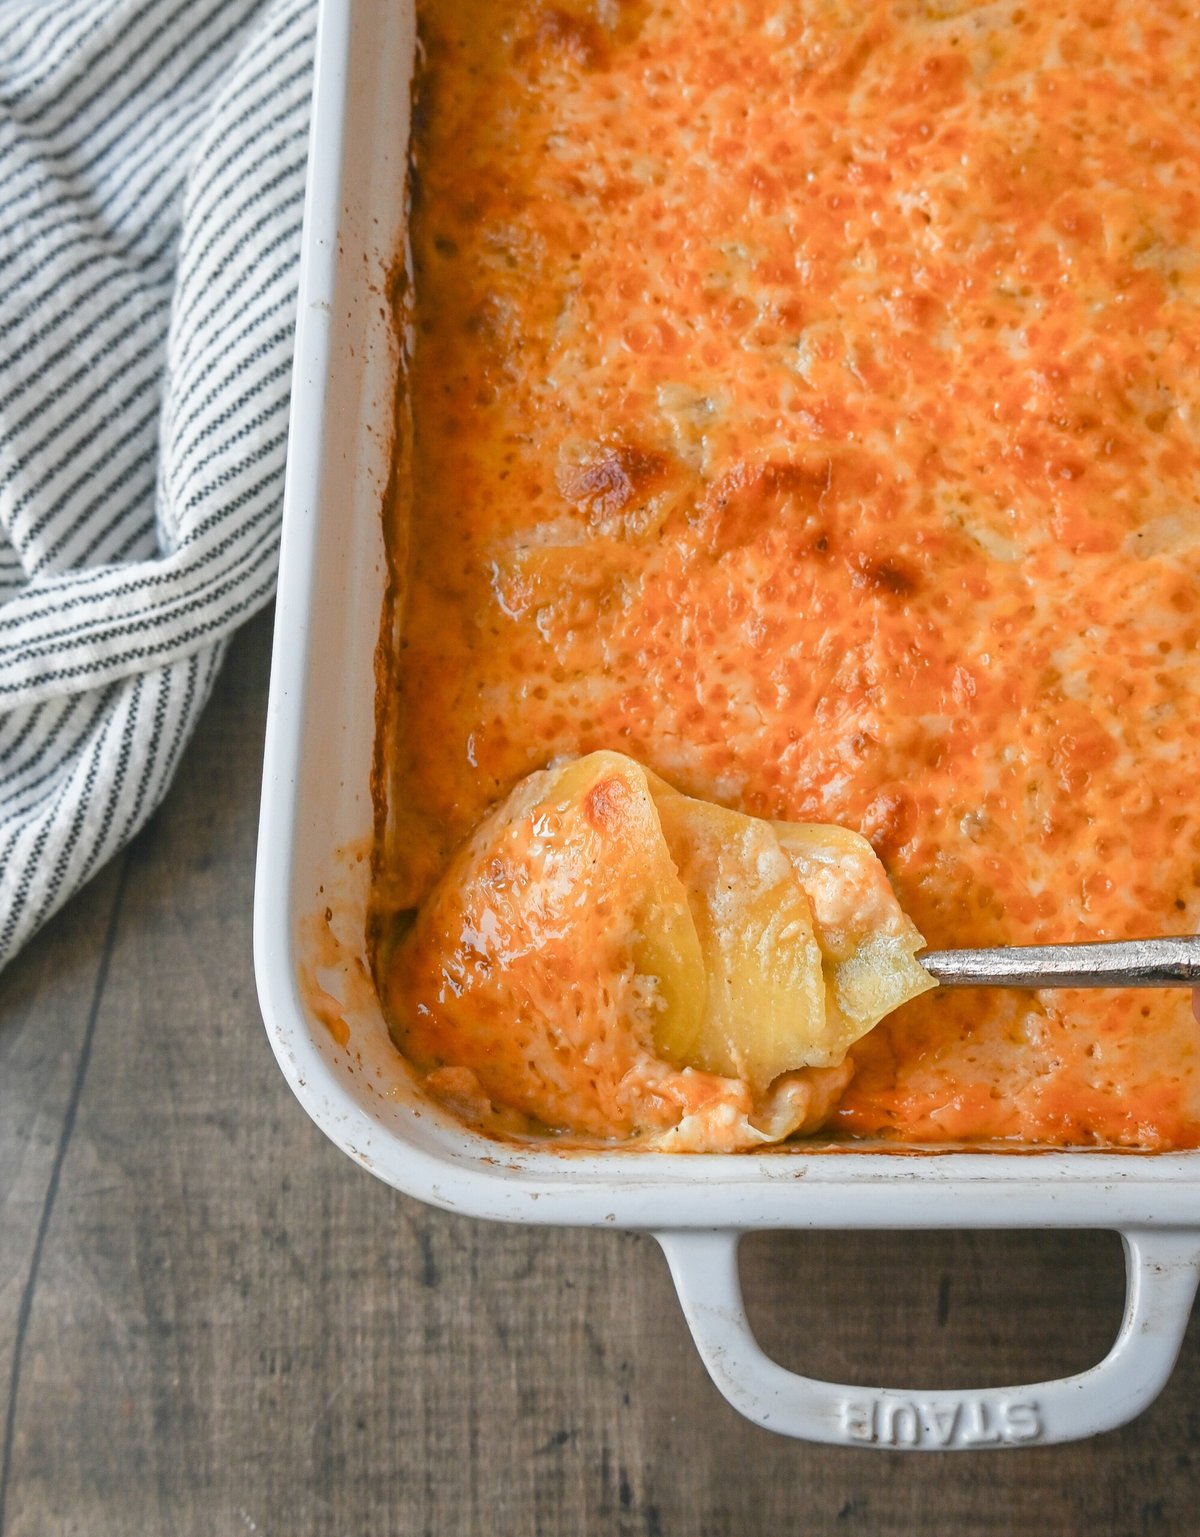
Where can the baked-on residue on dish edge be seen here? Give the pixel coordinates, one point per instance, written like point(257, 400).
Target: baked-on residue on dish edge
point(804, 402)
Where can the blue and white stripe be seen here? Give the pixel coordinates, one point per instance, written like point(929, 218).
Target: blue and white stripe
point(152, 157)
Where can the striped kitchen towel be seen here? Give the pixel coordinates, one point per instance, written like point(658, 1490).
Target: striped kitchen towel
point(152, 157)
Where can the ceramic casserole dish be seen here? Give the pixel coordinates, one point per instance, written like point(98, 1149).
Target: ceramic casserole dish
point(317, 821)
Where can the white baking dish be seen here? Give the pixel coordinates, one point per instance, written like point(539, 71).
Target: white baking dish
point(317, 804)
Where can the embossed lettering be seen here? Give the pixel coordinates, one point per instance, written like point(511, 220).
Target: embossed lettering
point(971, 1422)
point(858, 1420)
point(1022, 1422)
point(941, 1423)
point(977, 1427)
point(901, 1424)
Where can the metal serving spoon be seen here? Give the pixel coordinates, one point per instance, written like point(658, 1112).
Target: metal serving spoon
point(1168, 962)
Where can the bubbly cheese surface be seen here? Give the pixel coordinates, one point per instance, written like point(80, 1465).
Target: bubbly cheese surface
point(805, 402)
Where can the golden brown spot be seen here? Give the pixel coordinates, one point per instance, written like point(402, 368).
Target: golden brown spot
point(606, 806)
point(612, 479)
point(752, 501)
point(559, 33)
point(890, 576)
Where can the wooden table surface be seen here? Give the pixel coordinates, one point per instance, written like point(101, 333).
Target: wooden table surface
point(212, 1322)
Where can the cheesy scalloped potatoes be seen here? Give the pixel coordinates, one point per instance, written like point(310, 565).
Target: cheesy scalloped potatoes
point(803, 399)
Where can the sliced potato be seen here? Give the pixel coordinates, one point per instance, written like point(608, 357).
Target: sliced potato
point(868, 943)
point(765, 1007)
point(615, 796)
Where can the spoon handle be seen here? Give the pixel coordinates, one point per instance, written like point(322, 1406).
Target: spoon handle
point(1167, 962)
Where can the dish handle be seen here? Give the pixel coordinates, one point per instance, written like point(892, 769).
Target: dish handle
point(1162, 1268)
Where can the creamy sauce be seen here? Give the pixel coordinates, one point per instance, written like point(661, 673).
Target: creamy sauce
point(805, 402)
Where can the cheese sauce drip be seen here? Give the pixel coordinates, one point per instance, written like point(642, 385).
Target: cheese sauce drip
point(805, 402)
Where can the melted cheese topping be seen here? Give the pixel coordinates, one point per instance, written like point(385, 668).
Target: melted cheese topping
point(805, 402)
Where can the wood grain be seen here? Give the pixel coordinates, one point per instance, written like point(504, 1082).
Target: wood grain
point(232, 1329)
